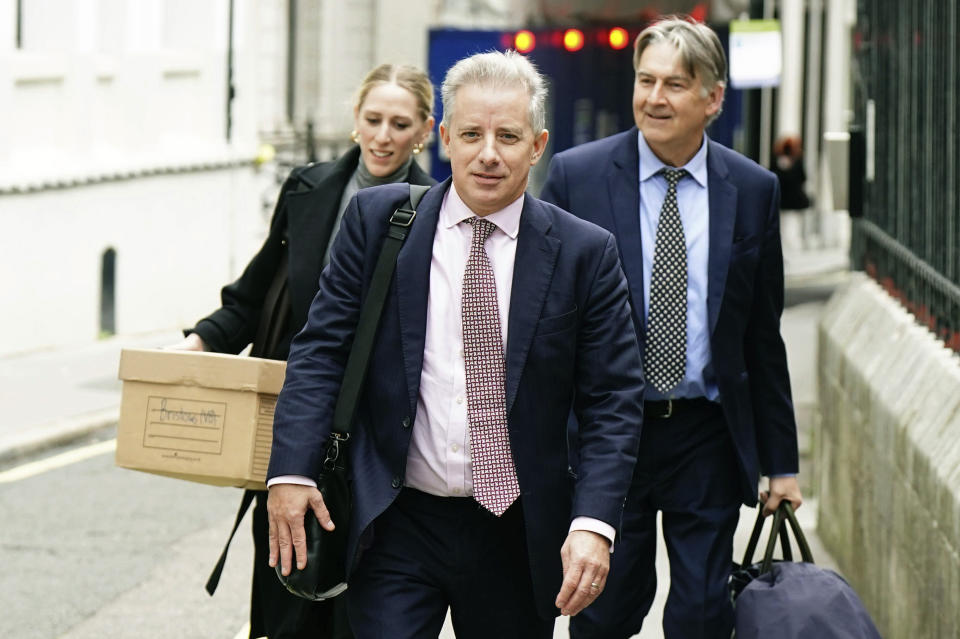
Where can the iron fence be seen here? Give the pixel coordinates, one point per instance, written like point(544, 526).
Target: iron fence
point(905, 67)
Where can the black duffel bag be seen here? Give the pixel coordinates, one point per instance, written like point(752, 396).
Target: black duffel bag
point(793, 600)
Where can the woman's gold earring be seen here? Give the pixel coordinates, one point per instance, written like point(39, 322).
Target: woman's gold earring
point(417, 148)
point(355, 137)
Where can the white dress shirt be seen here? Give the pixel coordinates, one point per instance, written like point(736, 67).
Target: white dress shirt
point(438, 460)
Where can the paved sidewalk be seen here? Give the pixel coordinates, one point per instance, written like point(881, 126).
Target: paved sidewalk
point(52, 396)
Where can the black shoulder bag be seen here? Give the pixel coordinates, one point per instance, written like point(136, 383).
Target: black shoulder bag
point(325, 574)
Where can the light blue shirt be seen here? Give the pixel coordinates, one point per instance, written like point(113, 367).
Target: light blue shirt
point(694, 203)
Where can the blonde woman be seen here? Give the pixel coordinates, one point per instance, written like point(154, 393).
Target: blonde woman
point(268, 304)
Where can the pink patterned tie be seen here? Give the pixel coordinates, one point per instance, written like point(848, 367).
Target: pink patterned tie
point(495, 484)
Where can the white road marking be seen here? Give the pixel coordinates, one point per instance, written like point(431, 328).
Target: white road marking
point(57, 461)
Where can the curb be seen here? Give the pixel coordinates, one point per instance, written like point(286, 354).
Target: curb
point(56, 433)
point(833, 277)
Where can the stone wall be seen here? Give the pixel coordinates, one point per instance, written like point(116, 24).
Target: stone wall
point(888, 459)
point(178, 237)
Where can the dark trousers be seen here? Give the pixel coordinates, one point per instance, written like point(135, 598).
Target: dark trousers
point(277, 614)
point(686, 469)
point(429, 553)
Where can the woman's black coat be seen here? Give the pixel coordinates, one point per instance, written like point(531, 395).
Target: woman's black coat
point(302, 223)
point(277, 288)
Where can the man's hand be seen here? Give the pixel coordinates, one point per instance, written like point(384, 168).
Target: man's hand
point(781, 488)
point(586, 561)
point(286, 506)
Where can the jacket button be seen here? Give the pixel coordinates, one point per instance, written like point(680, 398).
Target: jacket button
point(396, 483)
point(405, 422)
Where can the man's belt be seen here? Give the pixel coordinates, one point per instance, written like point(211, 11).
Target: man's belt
point(664, 409)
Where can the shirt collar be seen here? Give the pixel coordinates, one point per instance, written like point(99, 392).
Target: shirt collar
point(650, 164)
point(454, 211)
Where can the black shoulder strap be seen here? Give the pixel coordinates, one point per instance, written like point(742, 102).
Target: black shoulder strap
point(214, 578)
point(356, 370)
point(416, 194)
point(273, 315)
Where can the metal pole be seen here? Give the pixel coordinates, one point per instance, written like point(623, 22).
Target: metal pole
point(230, 89)
point(811, 124)
point(19, 24)
point(790, 91)
point(766, 102)
point(291, 59)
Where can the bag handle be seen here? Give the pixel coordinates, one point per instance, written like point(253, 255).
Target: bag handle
point(359, 359)
point(783, 514)
point(785, 509)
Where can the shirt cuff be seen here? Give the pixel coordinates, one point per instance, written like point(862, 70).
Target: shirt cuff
point(300, 480)
point(596, 526)
point(778, 475)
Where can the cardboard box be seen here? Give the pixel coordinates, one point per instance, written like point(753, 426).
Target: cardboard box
point(204, 417)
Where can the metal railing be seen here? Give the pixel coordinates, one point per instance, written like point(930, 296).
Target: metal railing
point(932, 298)
point(301, 145)
point(906, 63)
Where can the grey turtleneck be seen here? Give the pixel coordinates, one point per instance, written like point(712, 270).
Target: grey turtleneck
point(361, 179)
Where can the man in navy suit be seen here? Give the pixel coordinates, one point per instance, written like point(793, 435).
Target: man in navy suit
point(697, 229)
point(504, 313)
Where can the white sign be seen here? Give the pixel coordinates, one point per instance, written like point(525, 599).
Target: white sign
point(756, 54)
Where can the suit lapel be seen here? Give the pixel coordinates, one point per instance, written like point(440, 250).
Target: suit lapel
point(532, 272)
point(413, 287)
point(723, 214)
point(311, 215)
point(623, 185)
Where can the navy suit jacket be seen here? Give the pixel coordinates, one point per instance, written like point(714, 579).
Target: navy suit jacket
point(571, 344)
point(599, 182)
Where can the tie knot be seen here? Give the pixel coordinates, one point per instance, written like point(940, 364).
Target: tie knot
point(673, 176)
point(481, 228)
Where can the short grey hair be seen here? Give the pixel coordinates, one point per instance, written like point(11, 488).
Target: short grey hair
point(699, 47)
point(497, 70)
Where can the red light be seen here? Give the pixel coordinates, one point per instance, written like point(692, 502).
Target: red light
point(619, 38)
point(524, 41)
point(699, 12)
point(573, 39)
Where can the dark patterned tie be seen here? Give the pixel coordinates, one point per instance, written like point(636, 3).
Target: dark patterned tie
point(665, 352)
point(495, 484)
